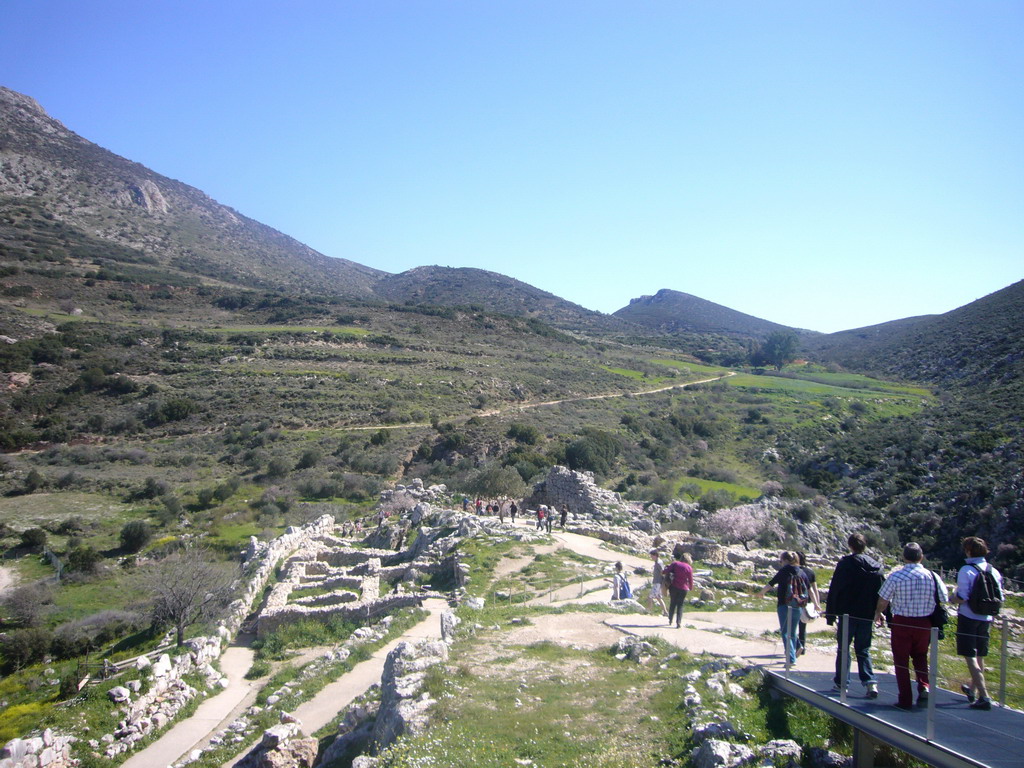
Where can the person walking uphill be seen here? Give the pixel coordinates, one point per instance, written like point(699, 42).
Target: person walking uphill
point(620, 584)
point(678, 575)
point(979, 599)
point(792, 594)
point(911, 592)
point(853, 592)
point(815, 598)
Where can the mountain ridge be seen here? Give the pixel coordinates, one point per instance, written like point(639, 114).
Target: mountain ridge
point(99, 194)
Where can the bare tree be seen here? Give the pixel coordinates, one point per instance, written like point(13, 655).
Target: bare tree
point(187, 587)
point(28, 604)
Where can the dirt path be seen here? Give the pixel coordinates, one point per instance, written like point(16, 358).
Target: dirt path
point(541, 404)
point(7, 579)
point(741, 634)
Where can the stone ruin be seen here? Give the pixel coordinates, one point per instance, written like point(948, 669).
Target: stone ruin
point(577, 490)
point(362, 582)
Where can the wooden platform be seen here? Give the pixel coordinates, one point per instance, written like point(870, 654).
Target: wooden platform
point(964, 737)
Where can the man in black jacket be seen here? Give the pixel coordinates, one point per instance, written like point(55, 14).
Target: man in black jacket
point(854, 592)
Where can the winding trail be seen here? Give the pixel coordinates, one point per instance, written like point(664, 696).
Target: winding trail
point(544, 403)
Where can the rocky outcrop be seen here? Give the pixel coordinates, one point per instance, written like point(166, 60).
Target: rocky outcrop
point(576, 490)
point(282, 746)
point(404, 704)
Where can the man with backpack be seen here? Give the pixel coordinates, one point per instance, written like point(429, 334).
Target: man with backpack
point(979, 595)
point(854, 592)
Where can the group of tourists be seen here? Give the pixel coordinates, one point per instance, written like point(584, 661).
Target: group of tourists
point(545, 515)
point(910, 600)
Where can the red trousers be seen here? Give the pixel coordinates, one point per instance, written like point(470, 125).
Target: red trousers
point(910, 637)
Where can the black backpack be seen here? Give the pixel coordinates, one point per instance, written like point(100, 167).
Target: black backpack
point(986, 598)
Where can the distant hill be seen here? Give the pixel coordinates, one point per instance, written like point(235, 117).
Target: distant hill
point(670, 311)
point(494, 292)
point(63, 198)
point(979, 344)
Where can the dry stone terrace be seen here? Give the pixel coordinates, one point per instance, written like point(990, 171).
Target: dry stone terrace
point(330, 578)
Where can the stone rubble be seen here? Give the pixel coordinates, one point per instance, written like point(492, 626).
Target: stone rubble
point(47, 750)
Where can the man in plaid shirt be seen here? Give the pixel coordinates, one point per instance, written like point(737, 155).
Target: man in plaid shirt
point(911, 593)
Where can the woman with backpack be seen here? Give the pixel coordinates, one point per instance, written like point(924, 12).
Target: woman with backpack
point(815, 599)
point(792, 594)
point(678, 575)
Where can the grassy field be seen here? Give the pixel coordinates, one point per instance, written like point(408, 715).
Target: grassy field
point(739, 491)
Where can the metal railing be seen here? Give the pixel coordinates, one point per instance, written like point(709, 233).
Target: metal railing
point(936, 679)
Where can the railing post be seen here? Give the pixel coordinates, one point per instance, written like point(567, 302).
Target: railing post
point(790, 615)
point(1003, 656)
point(933, 677)
point(863, 749)
point(844, 660)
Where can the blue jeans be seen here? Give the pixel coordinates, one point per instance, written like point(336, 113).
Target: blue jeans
point(789, 625)
point(860, 634)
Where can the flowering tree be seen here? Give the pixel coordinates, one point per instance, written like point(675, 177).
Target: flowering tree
point(741, 525)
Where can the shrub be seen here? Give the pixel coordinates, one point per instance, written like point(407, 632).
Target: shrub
point(135, 535)
point(495, 480)
point(23, 647)
point(278, 467)
point(595, 451)
point(524, 433)
point(716, 499)
point(804, 512)
point(33, 538)
point(309, 458)
point(34, 480)
point(26, 604)
point(84, 560)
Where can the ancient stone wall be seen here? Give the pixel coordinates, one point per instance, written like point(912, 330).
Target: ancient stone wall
point(577, 490)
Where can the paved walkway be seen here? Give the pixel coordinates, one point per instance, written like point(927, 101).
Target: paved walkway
point(216, 712)
point(213, 714)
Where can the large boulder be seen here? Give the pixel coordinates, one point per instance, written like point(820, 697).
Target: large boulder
point(576, 490)
point(714, 753)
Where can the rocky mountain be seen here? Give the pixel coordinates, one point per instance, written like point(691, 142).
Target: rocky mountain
point(65, 199)
point(670, 311)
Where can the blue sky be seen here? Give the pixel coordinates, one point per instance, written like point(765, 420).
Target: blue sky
point(823, 165)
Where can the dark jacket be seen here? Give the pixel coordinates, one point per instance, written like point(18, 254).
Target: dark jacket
point(854, 587)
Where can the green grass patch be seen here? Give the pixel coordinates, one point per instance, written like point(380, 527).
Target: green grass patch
point(636, 375)
point(736, 489)
point(696, 368)
point(238, 534)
